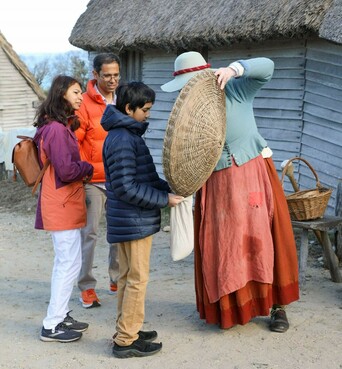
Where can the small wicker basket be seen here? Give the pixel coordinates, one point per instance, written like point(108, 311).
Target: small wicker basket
point(307, 204)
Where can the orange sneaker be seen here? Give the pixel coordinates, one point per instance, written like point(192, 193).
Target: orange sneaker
point(113, 287)
point(89, 299)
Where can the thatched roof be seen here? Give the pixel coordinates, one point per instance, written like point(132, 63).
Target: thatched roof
point(21, 67)
point(172, 24)
point(331, 28)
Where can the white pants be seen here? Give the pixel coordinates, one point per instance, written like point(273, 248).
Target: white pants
point(67, 265)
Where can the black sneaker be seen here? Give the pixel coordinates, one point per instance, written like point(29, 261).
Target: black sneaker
point(148, 336)
point(73, 324)
point(138, 348)
point(61, 333)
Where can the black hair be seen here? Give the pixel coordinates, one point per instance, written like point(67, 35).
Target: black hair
point(136, 94)
point(104, 58)
point(55, 106)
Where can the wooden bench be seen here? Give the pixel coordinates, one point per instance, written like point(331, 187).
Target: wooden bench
point(320, 227)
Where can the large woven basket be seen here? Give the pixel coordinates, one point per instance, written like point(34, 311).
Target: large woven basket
point(307, 204)
point(195, 134)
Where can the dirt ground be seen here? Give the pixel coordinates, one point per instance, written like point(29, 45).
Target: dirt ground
point(314, 339)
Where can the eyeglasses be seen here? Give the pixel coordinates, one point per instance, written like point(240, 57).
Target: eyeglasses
point(108, 77)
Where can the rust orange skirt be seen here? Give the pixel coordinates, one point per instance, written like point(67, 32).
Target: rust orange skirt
point(255, 298)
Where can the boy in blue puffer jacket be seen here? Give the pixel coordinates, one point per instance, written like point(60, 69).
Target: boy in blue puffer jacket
point(135, 195)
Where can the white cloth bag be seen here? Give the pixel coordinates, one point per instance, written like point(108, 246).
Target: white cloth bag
point(182, 229)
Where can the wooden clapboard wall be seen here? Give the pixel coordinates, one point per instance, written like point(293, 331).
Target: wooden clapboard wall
point(157, 69)
point(278, 105)
point(18, 100)
point(321, 140)
point(299, 112)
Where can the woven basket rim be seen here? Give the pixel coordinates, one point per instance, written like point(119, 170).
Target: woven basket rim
point(321, 192)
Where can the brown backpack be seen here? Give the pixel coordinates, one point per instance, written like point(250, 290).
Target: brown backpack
point(25, 161)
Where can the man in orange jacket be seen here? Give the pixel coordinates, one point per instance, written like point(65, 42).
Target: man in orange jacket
point(91, 135)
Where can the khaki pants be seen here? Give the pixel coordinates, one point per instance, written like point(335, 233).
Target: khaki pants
point(134, 266)
point(96, 201)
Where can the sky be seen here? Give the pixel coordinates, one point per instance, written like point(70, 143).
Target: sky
point(40, 26)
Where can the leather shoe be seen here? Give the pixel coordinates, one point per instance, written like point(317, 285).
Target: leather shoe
point(279, 322)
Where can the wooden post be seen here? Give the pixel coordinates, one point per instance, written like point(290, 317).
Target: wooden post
point(331, 258)
point(303, 256)
point(2, 171)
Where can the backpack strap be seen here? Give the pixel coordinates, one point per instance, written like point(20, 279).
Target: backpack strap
point(40, 176)
point(24, 137)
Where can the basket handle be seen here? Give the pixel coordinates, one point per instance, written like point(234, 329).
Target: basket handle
point(318, 184)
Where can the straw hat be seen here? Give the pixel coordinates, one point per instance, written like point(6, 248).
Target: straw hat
point(187, 65)
point(195, 134)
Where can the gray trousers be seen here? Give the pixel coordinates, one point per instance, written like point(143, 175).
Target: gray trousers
point(96, 201)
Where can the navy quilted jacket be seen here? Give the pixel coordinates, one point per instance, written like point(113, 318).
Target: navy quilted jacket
point(135, 193)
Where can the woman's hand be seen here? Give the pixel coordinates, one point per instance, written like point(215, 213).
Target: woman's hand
point(86, 179)
point(224, 75)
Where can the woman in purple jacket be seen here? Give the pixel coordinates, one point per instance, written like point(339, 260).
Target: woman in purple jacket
point(61, 205)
